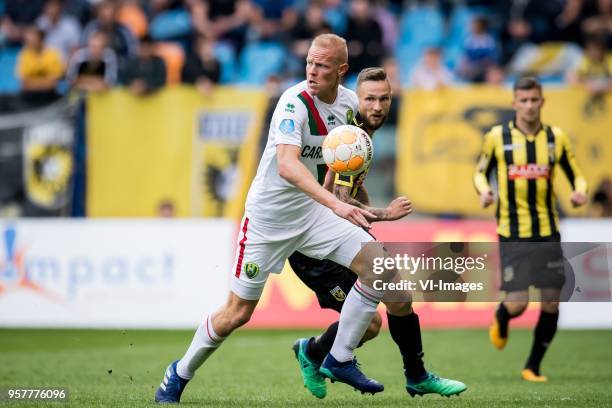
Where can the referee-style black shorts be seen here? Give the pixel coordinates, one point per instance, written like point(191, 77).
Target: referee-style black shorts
point(538, 262)
point(330, 281)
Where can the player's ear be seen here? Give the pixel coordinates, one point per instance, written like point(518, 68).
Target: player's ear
point(342, 69)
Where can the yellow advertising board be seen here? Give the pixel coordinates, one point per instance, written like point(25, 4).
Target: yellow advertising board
point(440, 134)
point(196, 153)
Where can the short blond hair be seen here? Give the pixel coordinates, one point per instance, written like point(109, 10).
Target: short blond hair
point(332, 41)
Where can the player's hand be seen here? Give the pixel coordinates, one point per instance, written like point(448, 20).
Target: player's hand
point(354, 214)
point(398, 208)
point(486, 198)
point(578, 199)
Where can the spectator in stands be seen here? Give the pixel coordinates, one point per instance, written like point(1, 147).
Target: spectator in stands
point(495, 75)
point(93, 68)
point(479, 52)
point(132, 16)
point(393, 76)
point(166, 209)
point(62, 31)
point(272, 19)
point(202, 67)
point(310, 24)
point(145, 73)
point(598, 19)
point(364, 37)
point(79, 9)
point(431, 74)
point(388, 23)
point(18, 16)
point(120, 39)
point(39, 68)
point(594, 73)
point(567, 25)
point(227, 21)
point(525, 21)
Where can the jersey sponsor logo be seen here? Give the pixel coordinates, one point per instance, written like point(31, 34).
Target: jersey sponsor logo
point(528, 171)
point(290, 108)
point(312, 152)
point(338, 294)
point(287, 126)
point(251, 270)
point(349, 116)
point(331, 120)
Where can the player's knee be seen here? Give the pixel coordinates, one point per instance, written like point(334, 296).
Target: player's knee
point(550, 306)
point(238, 312)
point(399, 308)
point(239, 318)
point(516, 308)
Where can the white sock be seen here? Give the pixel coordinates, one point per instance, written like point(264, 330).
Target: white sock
point(357, 313)
point(204, 343)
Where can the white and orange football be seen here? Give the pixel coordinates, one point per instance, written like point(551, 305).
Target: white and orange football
point(348, 150)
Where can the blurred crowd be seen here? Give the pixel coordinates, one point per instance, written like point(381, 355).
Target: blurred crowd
point(92, 45)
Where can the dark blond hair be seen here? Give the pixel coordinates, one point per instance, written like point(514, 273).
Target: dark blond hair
point(371, 74)
point(332, 41)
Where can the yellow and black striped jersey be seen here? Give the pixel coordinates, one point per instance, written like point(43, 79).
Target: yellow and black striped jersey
point(354, 182)
point(525, 173)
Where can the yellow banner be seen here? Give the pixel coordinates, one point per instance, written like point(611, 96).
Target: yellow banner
point(195, 154)
point(440, 134)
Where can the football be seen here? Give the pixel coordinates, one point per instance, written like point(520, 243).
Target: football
point(348, 150)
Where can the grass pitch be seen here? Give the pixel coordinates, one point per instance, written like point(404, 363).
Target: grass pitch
point(104, 368)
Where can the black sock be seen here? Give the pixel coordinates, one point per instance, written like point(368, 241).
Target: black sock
point(318, 347)
point(406, 333)
point(503, 317)
point(543, 334)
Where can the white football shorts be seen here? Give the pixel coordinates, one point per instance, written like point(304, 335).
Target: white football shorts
point(263, 249)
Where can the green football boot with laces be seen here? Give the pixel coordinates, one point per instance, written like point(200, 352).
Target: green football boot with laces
point(313, 380)
point(432, 384)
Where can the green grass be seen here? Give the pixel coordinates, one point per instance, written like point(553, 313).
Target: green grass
point(257, 368)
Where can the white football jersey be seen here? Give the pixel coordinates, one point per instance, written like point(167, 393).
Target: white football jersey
point(301, 120)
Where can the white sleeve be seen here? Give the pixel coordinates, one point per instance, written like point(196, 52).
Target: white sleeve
point(288, 121)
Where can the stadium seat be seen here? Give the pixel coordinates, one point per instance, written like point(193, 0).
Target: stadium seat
point(8, 60)
point(421, 27)
point(227, 59)
point(408, 56)
point(458, 29)
point(174, 57)
point(259, 61)
point(170, 25)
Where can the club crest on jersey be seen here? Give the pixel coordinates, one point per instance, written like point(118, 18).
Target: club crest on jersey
point(349, 115)
point(251, 269)
point(287, 126)
point(508, 274)
point(551, 153)
point(338, 294)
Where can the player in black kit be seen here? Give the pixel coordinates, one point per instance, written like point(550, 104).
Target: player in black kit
point(332, 282)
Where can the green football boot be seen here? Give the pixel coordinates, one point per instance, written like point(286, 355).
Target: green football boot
point(432, 384)
point(313, 380)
